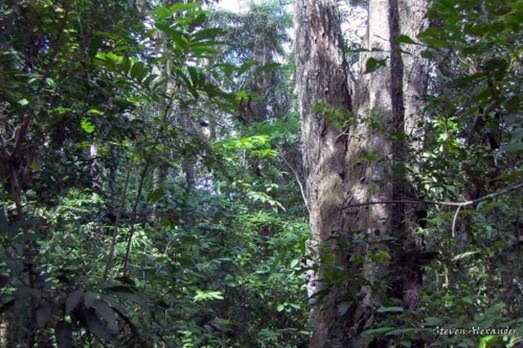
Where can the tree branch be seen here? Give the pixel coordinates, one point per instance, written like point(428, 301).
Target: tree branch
point(302, 190)
point(490, 196)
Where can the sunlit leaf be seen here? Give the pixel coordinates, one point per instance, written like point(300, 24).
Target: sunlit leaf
point(294, 263)
point(95, 112)
point(466, 254)
point(162, 12)
point(207, 295)
point(87, 125)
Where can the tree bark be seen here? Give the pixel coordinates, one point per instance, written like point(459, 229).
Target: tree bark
point(321, 77)
point(354, 264)
point(370, 161)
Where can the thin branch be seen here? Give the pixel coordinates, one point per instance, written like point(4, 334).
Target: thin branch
point(454, 220)
point(490, 196)
point(134, 213)
point(143, 176)
point(110, 254)
point(302, 190)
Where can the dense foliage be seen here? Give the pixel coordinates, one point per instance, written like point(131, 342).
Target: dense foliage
point(138, 210)
point(470, 166)
point(151, 185)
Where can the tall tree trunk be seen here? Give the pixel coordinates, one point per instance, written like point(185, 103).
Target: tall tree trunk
point(356, 265)
point(370, 159)
point(321, 77)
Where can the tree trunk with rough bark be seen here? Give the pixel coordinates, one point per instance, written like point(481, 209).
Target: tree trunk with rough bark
point(321, 77)
point(355, 266)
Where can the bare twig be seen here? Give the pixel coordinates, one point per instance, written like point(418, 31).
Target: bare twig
point(302, 190)
point(454, 220)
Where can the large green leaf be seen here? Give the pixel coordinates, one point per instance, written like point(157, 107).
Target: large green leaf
point(374, 64)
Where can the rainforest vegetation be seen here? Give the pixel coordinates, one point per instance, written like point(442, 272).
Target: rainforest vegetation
point(308, 173)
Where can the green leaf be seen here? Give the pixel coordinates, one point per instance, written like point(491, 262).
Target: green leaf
point(194, 75)
point(487, 341)
point(50, 82)
point(184, 7)
point(156, 195)
point(395, 309)
point(295, 306)
point(182, 78)
point(171, 33)
point(374, 64)
point(228, 69)
point(149, 80)
point(405, 39)
point(125, 65)
point(61, 111)
point(162, 12)
point(432, 321)
point(87, 125)
point(378, 331)
point(295, 263)
point(138, 71)
point(208, 34)
point(245, 66)
point(95, 112)
point(207, 295)
point(466, 254)
point(515, 148)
